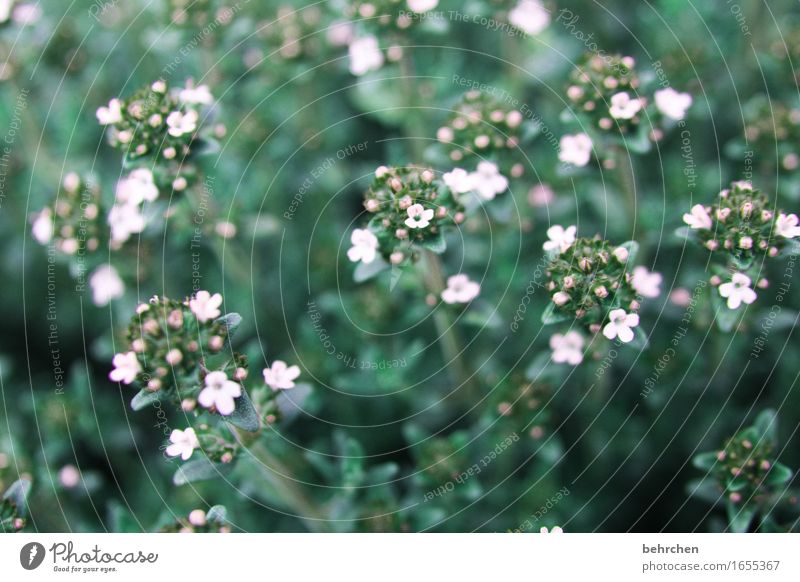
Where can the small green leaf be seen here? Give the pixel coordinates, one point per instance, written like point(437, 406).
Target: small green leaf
point(550, 315)
point(778, 475)
point(639, 341)
point(199, 470)
point(766, 425)
point(290, 402)
point(144, 398)
point(705, 461)
point(436, 244)
point(17, 493)
point(705, 489)
point(217, 514)
point(244, 415)
point(231, 321)
point(740, 517)
point(366, 271)
point(725, 316)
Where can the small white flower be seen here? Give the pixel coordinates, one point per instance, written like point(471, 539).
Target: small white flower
point(365, 55)
point(199, 95)
point(560, 238)
point(137, 187)
point(623, 107)
point(364, 246)
point(555, 529)
point(418, 216)
point(737, 291)
point(219, 393)
point(645, 283)
point(180, 123)
point(184, 442)
point(25, 14)
point(458, 180)
point(460, 289)
point(125, 220)
point(620, 325)
point(42, 227)
point(106, 285)
point(487, 181)
point(575, 149)
point(698, 218)
point(529, 16)
point(567, 348)
point(205, 306)
point(279, 376)
point(111, 114)
point(420, 6)
point(126, 367)
point(786, 226)
point(673, 104)
point(5, 9)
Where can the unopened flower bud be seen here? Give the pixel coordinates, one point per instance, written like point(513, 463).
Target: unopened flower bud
point(396, 184)
point(215, 343)
point(372, 205)
point(174, 356)
point(381, 171)
point(601, 292)
point(745, 242)
point(405, 202)
point(396, 257)
point(197, 517)
point(621, 254)
point(746, 209)
point(188, 404)
point(560, 298)
point(569, 282)
point(427, 176)
point(240, 374)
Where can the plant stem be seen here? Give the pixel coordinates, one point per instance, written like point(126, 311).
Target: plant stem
point(415, 126)
point(627, 181)
point(449, 339)
point(288, 489)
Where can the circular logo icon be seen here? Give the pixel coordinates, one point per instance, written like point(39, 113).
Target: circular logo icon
point(31, 555)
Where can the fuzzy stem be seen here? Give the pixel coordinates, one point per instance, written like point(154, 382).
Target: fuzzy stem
point(288, 489)
point(449, 339)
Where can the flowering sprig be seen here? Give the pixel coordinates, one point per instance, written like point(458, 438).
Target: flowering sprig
point(72, 221)
point(591, 282)
point(159, 126)
point(772, 131)
point(410, 210)
point(13, 506)
point(482, 127)
point(746, 475)
point(215, 520)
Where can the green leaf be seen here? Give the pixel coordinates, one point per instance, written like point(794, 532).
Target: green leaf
point(290, 402)
point(244, 415)
point(684, 232)
point(231, 321)
point(366, 271)
point(778, 475)
point(705, 489)
point(144, 398)
point(725, 316)
point(550, 315)
point(766, 425)
point(199, 470)
point(740, 517)
point(17, 493)
point(639, 143)
point(639, 341)
point(705, 461)
point(217, 514)
point(437, 244)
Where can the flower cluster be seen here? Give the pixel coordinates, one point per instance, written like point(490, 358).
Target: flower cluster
point(73, 221)
point(292, 33)
point(158, 124)
point(772, 128)
point(409, 207)
point(746, 471)
point(482, 127)
point(395, 15)
point(591, 281)
point(606, 88)
point(168, 341)
point(199, 521)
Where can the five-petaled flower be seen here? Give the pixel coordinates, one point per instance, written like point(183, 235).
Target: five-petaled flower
point(560, 238)
point(698, 218)
point(180, 123)
point(460, 289)
point(137, 187)
point(220, 393)
point(279, 376)
point(737, 291)
point(575, 149)
point(364, 246)
point(487, 181)
point(673, 104)
point(645, 283)
point(621, 325)
point(623, 107)
point(418, 216)
point(106, 285)
point(205, 306)
point(786, 226)
point(184, 442)
point(126, 368)
point(458, 180)
point(111, 114)
point(567, 348)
